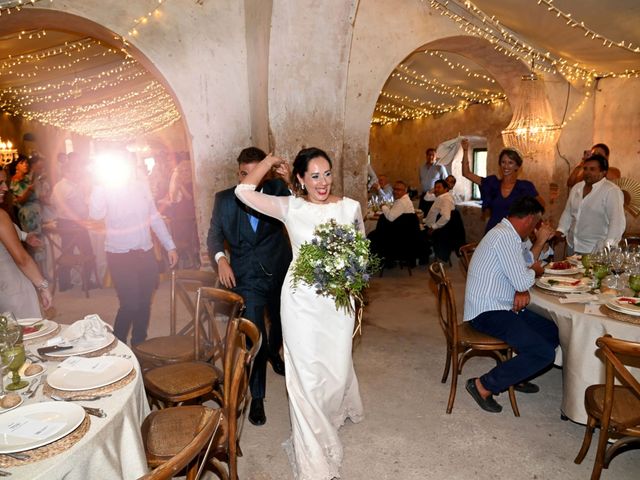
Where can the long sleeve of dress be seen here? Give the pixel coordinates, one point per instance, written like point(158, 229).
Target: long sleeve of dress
point(271, 205)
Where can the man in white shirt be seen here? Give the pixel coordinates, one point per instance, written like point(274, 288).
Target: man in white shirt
point(402, 203)
point(438, 221)
point(594, 213)
point(429, 173)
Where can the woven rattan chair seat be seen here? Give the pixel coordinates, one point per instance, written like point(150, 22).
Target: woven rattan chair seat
point(470, 336)
point(167, 431)
point(169, 349)
point(626, 408)
point(181, 378)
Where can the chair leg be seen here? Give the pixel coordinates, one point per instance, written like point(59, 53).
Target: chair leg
point(447, 365)
point(454, 381)
point(514, 404)
point(613, 449)
point(598, 463)
point(586, 441)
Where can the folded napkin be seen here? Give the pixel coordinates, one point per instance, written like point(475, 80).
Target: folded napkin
point(88, 332)
point(578, 298)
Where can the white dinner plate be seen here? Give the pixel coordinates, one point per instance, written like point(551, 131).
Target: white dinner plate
point(564, 271)
point(562, 284)
point(47, 327)
point(68, 415)
point(575, 259)
point(4, 410)
point(625, 307)
point(78, 350)
point(76, 380)
point(25, 322)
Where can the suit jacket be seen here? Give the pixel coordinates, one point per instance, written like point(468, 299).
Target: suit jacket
point(259, 259)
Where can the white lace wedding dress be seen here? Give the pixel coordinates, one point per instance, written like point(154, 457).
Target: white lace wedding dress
point(321, 383)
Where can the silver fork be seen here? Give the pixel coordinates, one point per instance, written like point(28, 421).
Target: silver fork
point(32, 390)
point(17, 456)
point(96, 412)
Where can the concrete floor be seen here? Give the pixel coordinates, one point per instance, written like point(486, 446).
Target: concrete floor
point(406, 434)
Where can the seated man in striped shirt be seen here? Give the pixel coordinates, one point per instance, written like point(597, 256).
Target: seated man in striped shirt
point(496, 297)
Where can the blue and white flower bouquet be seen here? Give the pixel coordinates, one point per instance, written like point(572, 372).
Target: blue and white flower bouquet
point(337, 262)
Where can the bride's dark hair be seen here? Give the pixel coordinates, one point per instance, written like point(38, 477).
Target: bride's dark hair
point(301, 164)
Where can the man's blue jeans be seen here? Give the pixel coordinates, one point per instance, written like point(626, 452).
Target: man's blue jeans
point(533, 337)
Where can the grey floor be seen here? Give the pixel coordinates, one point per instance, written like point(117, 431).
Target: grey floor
point(406, 433)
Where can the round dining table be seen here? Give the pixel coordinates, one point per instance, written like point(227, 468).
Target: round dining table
point(111, 447)
point(581, 365)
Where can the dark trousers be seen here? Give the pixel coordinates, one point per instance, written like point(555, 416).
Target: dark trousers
point(135, 277)
point(424, 205)
point(533, 337)
point(271, 343)
point(72, 236)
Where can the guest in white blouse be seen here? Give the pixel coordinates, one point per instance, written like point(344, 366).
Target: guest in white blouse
point(402, 203)
point(594, 213)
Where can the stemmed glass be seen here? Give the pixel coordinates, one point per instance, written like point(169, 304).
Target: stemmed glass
point(12, 354)
point(634, 282)
point(617, 260)
point(587, 263)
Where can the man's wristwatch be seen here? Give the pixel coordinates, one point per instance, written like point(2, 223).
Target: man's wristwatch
point(44, 285)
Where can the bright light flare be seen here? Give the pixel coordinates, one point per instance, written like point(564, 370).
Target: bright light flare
point(112, 169)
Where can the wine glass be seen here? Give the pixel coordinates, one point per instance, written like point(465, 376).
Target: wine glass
point(13, 357)
point(587, 263)
point(634, 283)
point(600, 270)
point(617, 260)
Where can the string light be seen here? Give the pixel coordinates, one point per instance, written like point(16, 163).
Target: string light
point(16, 5)
point(459, 66)
point(588, 32)
point(510, 45)
point(433, 85)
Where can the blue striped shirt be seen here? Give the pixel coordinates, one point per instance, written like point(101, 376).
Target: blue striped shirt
point(497, 271)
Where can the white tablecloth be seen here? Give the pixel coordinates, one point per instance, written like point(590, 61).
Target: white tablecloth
point(112, 447)
point(581, 366)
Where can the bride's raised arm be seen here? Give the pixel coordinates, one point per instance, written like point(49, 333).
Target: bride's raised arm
point(274, 206)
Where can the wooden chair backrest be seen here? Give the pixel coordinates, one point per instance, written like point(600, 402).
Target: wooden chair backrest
point(447, 312)
point(212, 304)
point(466, 251)
point(613, 349)
point(202, 440)
point(184, 285)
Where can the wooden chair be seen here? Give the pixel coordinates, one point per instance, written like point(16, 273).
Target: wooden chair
point(178, 346)
point(466, 251)
point(630, 240)
point(238, 363)
point(186, 381)
point(613, 408)
point(463, 341)
point(85, 265)
point(191, 432)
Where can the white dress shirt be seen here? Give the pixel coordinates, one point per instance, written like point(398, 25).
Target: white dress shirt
point(129, 214)
point(443, 205)
point(68, 201)
point(497, 271)
point(400, 206)
point(594, 220)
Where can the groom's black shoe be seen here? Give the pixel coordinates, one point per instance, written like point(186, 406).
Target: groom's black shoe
point(278, 365)
point(256, 412)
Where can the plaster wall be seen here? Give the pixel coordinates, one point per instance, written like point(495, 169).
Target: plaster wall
point(308, 63)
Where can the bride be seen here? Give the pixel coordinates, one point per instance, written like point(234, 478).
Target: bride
point(321, 383)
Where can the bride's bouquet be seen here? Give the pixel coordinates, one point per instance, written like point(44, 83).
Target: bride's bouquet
point(337, 262)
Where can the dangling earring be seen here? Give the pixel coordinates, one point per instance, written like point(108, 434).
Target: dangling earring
point(303, 187)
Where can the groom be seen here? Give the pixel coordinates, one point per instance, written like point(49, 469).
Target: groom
point(260, 255)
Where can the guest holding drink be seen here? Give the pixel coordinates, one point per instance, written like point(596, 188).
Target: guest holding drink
point(499, 193)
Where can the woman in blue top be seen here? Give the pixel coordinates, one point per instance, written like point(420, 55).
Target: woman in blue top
point(499, 193)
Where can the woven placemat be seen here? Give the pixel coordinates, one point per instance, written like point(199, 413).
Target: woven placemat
point(48, 390)
point(50, 450)
point(622, 317)
point(33, 341)
point(97, 353)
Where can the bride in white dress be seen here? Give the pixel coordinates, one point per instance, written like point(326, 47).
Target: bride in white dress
point(321, 383)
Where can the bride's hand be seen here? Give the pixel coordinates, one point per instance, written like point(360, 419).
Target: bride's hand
point(280, 166)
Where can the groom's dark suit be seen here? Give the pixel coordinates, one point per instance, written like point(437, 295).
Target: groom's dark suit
point(259, 260)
